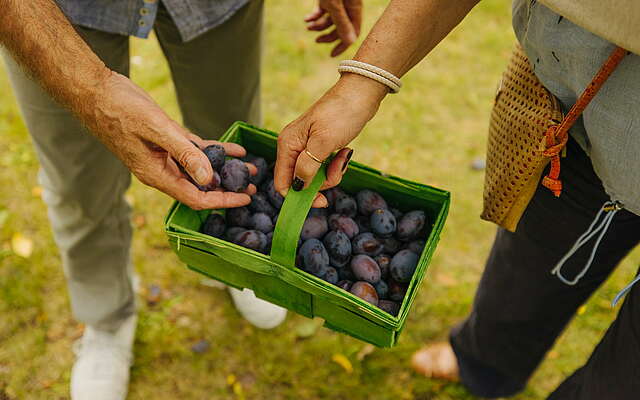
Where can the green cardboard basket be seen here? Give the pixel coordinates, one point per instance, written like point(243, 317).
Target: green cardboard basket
point(275, 278)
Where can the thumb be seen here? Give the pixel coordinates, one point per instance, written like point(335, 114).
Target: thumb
point(191, 159)
point(310, 160)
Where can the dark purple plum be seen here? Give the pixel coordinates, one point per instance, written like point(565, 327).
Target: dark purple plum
point(364, 225)
point(261, 166)
point(318, 212)
point(416, 246)
point(211, 186)
point(391, 245)
point(331, 275)
point(382, 289)
point(240, 216)
point(274, 197)
point(389, 306)
point(216, 155)
point(214, 225)
point(314, 256)
point(369, 201)
point(365, 291)
point(366, 243)
point(314, 228)
point(345, 273)
point(410, 226)
point(232, 232)
point(346, 205)
point(343, 224)
point(260, 204)
point(252, 239)
point(338, 246)
point(235, 175)
point(383, 223)
point(384, 262)
point(396, 213)
point(261, 222)
point(344, 284)
point(332, 195)
point(397, 290)
point(269, 241)
point(403, 265)
point(365, 268)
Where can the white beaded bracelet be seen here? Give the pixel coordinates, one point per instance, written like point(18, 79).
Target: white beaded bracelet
point(372, 72)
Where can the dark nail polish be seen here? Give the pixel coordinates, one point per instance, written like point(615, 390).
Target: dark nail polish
point(297, 184)
point(346, 161)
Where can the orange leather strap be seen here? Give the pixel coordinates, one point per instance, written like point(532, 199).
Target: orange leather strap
point(557, 135)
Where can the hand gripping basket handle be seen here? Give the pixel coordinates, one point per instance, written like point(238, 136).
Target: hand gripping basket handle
point(290, 220)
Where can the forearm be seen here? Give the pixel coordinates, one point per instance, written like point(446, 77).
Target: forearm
point(42, 40)
point(408, 30)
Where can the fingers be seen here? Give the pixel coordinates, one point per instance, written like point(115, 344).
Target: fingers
point(320, 24)
point(320, 201)
point(328, 37)
point(319, 12)
point(344, 27)
point(306, 166)
point(191, 158)
point(336, 168)
point(291, 142)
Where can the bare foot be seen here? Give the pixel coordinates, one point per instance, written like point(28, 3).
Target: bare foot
point(436, 361)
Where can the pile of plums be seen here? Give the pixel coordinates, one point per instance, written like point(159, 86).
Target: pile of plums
point(357, 243)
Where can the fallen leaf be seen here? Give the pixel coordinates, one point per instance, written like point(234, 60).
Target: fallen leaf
point(582, 309)
point(36, 191)
point(343, 361)
point(237, 390)
point(365, 351)
point(552, 354)
point(231, 379)
point(21, 245)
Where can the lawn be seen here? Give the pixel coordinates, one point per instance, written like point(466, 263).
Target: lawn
point(431, 132)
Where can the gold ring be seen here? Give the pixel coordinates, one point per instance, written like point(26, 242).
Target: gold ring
point(314, 158)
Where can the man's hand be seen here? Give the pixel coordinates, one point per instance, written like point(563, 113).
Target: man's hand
point(147, 141)
point(115, 110)
point(346, 15)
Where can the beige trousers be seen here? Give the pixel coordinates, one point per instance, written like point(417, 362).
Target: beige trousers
point(217, 80)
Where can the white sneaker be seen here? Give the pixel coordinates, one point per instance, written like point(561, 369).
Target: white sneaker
point(258, 312)
point(101, 371)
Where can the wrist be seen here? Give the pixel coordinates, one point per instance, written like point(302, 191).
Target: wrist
point(361, 90)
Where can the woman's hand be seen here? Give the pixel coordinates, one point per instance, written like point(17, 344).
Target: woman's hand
point(328, 126)
point(346, 15)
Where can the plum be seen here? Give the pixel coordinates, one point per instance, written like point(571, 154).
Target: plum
point(261, 166)
point(214, 225)
point(344, 284)
point(416, 246)
point(252, 239)
point(383, 223)
point(314, 228)
point(384, 262)
point(232, 232)
point(260, 204)
point(235, 176)
point(389, 306)
point(216, 155)
point(346, 205)
point(261, 222)
point(369, 201)
point(366, 243)
point(338, 246)
point(365, 268)
point(331, 275)
point(396, 213)
point(314, 256)
point(343, 224)
point(391, 245)
point(411, 225)
point(240, 216)
point(345, 273)
point(332, 195)
point(274, 197)
point(364, 225)
point(382, 289)
point(365, 291)
point(397, 290)
point(403, 265)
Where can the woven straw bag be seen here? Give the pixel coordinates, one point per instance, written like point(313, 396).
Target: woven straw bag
point(526, 132)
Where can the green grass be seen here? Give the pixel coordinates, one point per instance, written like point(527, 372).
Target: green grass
point(428, 133)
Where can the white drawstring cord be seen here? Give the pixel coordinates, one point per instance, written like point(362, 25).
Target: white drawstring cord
point(624, 291)
point(611, 208)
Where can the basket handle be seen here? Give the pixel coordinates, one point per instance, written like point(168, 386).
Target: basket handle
point(290, 220)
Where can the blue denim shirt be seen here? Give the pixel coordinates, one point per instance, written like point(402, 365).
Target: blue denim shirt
point(136, 17)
